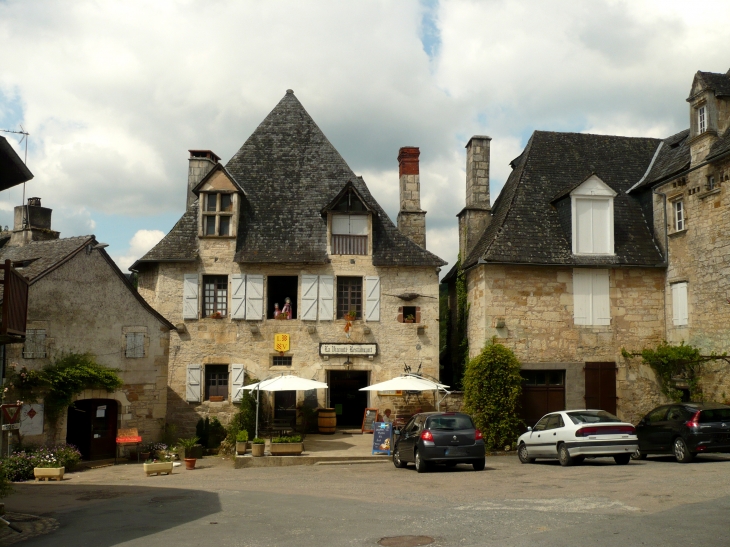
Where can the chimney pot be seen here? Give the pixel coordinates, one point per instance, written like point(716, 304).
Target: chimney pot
point(408, 160)
point(411, 219)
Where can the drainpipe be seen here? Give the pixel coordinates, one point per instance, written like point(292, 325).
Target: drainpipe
point(666, 253)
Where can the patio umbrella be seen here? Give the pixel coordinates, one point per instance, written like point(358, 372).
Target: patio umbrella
point(409, 382)
point(285, 382)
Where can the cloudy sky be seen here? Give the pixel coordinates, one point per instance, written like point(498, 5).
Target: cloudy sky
point(113, 94)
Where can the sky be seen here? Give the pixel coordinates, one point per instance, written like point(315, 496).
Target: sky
point(114, 94)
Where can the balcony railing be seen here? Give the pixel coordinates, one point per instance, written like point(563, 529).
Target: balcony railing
point(15, 304)
point(349, 245)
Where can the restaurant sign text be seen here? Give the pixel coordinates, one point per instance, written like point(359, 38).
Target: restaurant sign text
point(348, 349)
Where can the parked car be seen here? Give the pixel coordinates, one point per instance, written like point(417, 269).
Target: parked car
point(439, 437)
point(573, 435)
point(685, 430)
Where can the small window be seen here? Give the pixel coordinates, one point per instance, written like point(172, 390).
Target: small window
point(279, 361)
point(679, 221)
point(409, 314)
point(591, 298)
point(135, 345)
point(281, 293)
point(216, 382)
point(680, 311)
point(349, 234)
point(710, 183)
point(702, 119)
point(217, 213)
point(215, 295)
point(35, 344)
point(349, 296)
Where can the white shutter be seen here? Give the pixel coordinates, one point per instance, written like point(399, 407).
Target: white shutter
point(584, 226)
point(601, 300)
point(372, 299)
point(190, 296)
point(237, 376)
point(680, 313)
point(581, 297)
point(135, 345)
point(601, 240)
point(238, 296)
point(309, 298)
point(359, 225)
point(192, 385)
point(326, 297)
point(254, 297)
point(341, 224)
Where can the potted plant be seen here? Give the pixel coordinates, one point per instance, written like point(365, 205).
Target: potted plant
point(187, 445)
point(216, 315)
point(146, 451)
point(351, 315)
point(48, 468)
point(287, 446)
point(257, 446)
point(410, 318)
point(241, 442)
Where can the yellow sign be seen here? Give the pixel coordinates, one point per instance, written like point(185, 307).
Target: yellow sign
point(281, 342)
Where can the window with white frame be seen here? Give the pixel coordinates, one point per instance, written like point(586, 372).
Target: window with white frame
point(680, 314)
point(591, 302)
point(701, 119)
point(592, 217)
point(679, 218)
point(35, 344)
point(134, 345)
point(350, 234)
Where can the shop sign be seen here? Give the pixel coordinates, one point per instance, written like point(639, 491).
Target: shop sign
point(281, 342)
point(31, 419)
point(348, 349)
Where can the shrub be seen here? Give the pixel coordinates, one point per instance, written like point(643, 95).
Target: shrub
point(242, 437)
point(492, 389)
point(258, 440)
point(284, 439)
point(19, 465)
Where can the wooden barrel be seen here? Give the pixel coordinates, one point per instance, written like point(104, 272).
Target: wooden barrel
point(326, 421)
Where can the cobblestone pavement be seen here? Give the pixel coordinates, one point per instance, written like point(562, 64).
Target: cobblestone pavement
point(658, 501)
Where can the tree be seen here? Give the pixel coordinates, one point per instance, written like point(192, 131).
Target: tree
point(492, 389)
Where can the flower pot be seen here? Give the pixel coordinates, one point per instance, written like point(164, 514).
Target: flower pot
point(258, 449)
point(145, 455)
point(190, 463)
point(156, 468)
point(286, 449)
point(241, 447)
point(48, 473)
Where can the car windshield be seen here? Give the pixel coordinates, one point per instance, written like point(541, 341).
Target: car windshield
point(592, 417)
point(449, 422)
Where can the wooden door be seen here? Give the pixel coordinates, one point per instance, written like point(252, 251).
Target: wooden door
point(543, 391)
point(600, 381)
point(103, 441)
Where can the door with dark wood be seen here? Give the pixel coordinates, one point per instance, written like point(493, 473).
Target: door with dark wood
point(543, 391)
point(601, 386)
point(92, 428)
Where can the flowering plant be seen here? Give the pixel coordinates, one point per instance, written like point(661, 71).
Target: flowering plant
point(19, 465)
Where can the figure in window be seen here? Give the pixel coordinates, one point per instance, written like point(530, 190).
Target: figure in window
point(286, 310)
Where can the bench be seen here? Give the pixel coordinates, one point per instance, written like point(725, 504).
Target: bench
point(127, 437)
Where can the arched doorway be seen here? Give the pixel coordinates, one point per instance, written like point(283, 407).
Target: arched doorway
point(92, 428)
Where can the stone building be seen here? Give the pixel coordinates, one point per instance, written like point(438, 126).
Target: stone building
point(286, 229)
point(80, 302)
point(598, 243)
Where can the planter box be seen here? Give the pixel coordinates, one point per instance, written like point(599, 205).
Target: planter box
point(157, 468)
point(286, 449)
point(258, 449)
point(48, 473)
point(241, 447)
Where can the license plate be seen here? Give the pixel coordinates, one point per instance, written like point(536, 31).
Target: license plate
point(454, 452)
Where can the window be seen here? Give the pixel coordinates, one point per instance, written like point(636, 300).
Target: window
point(215, 295)
point(701, 119)
point(35, 344)
point(591, 303)
point(657, 415)
point(409, 314)
point(543, 377)
point(710, 183)
point(679, 221)
point(349, 234)
point(542, 424)
point(592, 217)
point(279, 361)
point(216, 382)
point(217, 214)
point(555, 421)
point(281, 288)
point(679, 304)
point(135, 345)
point(349, 296)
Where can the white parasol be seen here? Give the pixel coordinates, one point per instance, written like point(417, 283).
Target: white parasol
point(410, 382)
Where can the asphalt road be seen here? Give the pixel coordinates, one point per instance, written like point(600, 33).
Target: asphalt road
point(656, 503)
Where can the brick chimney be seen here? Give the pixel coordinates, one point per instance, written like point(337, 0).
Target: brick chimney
point(199, 164)
point(476, 215)
point(411, 219)
point(31, 223)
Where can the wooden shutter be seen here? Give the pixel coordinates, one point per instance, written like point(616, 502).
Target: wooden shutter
point(581, 297)
point(237, 376)
point(341, 224)
point(326, 297)
point(192, 385)
point(135, 345)
point(584, 226)
point(680, 313)
point(600, 219)
point(309, 297)
point(254, 297)
point(372, 299)
point(601, 301)
point(600, 386)
point(190, 296)
point(238, 296)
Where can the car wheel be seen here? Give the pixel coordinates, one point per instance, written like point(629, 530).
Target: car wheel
point(400, 464)
point(479, 465)
point(564, 456)
point(421, 466)
point(681, 451)
point(522, 454)
point(622, 459)
point(638, 455)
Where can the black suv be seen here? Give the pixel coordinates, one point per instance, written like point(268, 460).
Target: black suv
point(439, 437)
point(685, 430)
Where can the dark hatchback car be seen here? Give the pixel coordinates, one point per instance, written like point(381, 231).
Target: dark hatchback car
point(439, 437)
point(685, 430)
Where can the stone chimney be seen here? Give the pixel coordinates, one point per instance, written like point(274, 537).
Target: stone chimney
point(411, 219)
point(31, 223)
point(477, 213)
point(199, 164)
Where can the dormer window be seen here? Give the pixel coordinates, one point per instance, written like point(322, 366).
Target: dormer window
point(349, 219)
point(217, 214)
point(592, 217)
point(701, 119)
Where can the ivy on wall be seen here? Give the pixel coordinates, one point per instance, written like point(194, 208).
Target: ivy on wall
point(462, 317)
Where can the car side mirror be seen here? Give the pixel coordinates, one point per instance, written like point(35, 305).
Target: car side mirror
point(529, 429)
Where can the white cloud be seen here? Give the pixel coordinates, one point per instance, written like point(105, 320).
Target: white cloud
point(141, 242)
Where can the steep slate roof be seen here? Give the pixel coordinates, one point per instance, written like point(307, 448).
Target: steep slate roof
point(12, 169)
point(719, 147)
point(290, 173)
point(672, 158)
point(526, 227)
point(717, 81)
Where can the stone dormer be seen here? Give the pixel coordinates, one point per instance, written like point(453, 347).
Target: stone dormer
point(709, 109)
point(219, 195)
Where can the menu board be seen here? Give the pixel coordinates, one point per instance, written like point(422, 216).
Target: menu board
point(382, 435)
point(368, 419)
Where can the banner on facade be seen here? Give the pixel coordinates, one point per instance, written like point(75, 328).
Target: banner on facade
point(31, 420)
point(348, 349)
